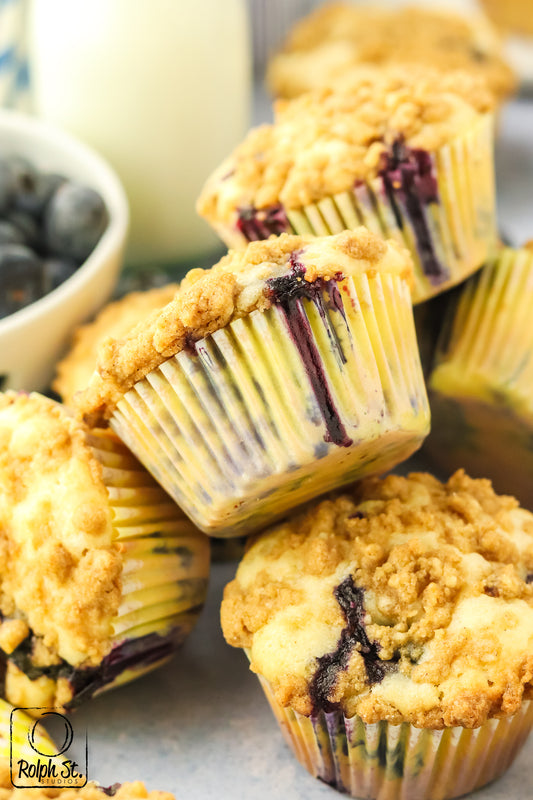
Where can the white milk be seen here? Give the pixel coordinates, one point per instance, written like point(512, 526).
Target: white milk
point(161, 88)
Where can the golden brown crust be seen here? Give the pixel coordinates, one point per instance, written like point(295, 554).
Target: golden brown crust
point(208, 300)
point(326, 141)
point(324, 47)
point(116, 319)
point(60, 570)
point(92, 791)
point(443, 570)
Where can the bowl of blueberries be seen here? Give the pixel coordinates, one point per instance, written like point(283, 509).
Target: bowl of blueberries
point(63, 226)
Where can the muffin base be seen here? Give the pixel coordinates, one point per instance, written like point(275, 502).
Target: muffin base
point(381, 761)
point(283, 405)
point(480, 388)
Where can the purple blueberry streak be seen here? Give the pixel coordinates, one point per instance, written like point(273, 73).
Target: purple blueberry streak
point(287, 292)
point(409, 181)
point(351, 600)
point(260, 223)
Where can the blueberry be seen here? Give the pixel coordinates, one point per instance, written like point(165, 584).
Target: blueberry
point(28, 226)
point(20, 278)
point(74, 221)
point(10, 234)
point(33, 195)
point(56, 271)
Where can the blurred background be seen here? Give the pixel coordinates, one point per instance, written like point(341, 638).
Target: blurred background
point(162, 89)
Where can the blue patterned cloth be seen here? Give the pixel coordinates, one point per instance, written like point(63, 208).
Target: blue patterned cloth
point(14, 80)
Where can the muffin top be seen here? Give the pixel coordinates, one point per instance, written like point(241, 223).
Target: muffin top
point(92, 791)
point(402, 599)
point(327, 141)
point(60, 571)
point(325, 46)
point(264, 273)
point(116, 319)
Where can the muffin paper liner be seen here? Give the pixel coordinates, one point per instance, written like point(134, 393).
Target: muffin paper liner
point(441, 206)
point(164, 576)
point(282, 405)
point(165, 568)
point(481, 382)
point(381, 761)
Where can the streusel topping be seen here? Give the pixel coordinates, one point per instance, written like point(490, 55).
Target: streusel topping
point(60, 570)
point(116, 319)
point(326, 141)
point(403, 599)
point(239, 284)
point(324, 47)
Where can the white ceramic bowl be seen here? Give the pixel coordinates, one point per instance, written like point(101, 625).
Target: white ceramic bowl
point(32, 339)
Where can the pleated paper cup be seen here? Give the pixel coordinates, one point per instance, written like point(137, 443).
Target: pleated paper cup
point(381, 761)
point(165, 569)
point(481, 384)
point(283, 405)
point(164, 575)
point(440, 205)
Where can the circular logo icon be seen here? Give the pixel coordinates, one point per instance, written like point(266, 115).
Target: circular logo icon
point(35, 734)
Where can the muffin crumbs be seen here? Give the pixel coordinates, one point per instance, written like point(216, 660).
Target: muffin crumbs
point(442, 570)
point(327, 141)
point(237, 285)
point(60, 570)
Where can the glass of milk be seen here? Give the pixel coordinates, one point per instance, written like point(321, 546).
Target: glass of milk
point(161, 88)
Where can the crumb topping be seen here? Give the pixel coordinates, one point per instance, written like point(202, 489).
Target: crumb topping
point(403, 599)
point(116, 319)
point(60, 570)
point(208, 300)
point(92, 791)
point(326, 141)
point(324, 47)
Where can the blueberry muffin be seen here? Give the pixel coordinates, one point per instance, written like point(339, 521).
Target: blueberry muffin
point(285, 370)
point(391, 627)
point(101, 574)
point(407, 152)
point(325, 47)
point(116, 319)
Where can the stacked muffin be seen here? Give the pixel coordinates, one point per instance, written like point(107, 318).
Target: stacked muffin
point(407, 152)
point(391, 622)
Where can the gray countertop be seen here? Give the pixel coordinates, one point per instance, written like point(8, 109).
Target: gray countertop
point(200, 727)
